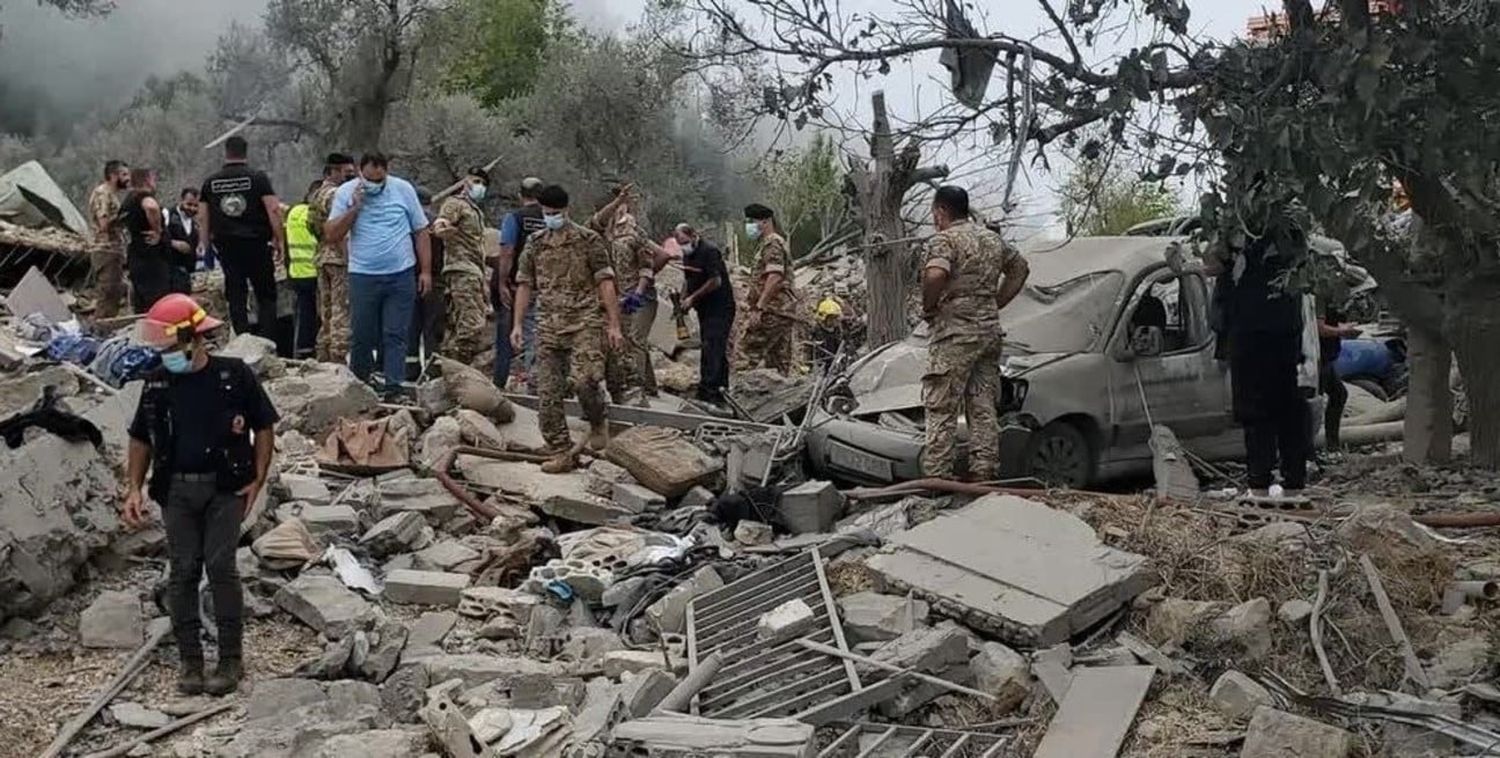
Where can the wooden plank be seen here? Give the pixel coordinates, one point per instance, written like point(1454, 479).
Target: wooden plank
point(1414, 670)
point(1097, 712)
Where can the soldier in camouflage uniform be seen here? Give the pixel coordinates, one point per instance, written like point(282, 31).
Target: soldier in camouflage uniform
point(568, 267)
point(107, 259)
point(333, 264)
point(460, 224)
point(628, 372)
point(962, 296)
point(771, 330)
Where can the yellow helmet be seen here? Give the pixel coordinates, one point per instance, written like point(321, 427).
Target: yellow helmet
point(830, 308)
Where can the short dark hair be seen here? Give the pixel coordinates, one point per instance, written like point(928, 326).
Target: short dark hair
point(236, 147)
point(333, 161)
point(953, 199)
point(186, 191)
point(375, 158)
point(139, 176)
point(758, 212)
point(553, 196)
point(110, 167)
point(478, 172)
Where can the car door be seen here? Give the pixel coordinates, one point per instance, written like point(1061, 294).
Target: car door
point(1172, 380)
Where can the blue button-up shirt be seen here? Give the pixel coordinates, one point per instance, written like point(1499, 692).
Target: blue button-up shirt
point(380, 242)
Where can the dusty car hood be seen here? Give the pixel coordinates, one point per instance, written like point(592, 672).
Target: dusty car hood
point(890, 379)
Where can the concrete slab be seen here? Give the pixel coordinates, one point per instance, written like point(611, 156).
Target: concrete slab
point(1013, 568)
point(564, 496)
point(1097, 712)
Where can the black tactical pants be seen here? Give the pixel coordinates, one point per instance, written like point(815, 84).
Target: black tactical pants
point(203, 529)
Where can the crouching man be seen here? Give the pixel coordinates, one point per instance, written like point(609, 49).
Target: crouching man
point(204, 430)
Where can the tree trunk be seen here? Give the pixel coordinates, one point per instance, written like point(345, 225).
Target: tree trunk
point(365, 126)
point(1427, 436)
point(1473, 329)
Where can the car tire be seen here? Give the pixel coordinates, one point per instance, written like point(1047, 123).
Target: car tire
point(1373, 387)
point(1059, 455)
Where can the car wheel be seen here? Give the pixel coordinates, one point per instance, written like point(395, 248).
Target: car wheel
point(1060, 456)
point(1371, 386)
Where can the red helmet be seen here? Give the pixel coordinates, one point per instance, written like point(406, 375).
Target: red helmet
point(169, 316)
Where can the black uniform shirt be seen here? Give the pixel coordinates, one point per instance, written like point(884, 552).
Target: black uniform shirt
point(236, 208)
point(701, 265)
point(203, 415)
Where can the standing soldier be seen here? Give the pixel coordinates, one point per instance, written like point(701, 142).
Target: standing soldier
point(567, 265)
point(460, 225)
point(634, 258)
point(332, 262)
point(108, 257)
point(770, 329)
point(961, 298)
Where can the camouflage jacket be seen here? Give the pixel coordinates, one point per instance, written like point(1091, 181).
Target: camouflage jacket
point(463, 251)
point(318, 208)
point(564, 269)
point(775, 257)
point(975, 258)
point(104, 212)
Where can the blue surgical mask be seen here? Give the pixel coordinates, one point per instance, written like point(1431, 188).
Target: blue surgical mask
point(177, 362)
point(373, 188)
point(476, 192)
point(554, 221)
point(752, 230)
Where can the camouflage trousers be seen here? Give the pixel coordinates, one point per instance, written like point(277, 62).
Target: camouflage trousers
point(333, 313)
point(621, 374)
point(963, 375)
point(466, 332)
point(771, 343)
point(107, 269)
point(567, 363)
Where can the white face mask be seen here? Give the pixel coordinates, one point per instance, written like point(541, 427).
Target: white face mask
point(554, 221)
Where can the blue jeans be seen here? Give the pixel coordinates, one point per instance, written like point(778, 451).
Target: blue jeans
point(505, 354)
point(380, 308)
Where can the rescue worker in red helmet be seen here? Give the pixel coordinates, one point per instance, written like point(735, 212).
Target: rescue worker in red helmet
point(204, 431)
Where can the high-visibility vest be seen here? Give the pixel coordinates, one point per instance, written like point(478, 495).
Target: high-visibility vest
point(302, 246)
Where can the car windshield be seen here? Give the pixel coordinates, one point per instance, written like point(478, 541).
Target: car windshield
point(1066, 317)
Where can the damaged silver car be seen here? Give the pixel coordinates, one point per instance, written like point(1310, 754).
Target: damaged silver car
point(1104, 341)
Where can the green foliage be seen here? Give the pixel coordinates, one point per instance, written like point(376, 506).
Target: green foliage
point(497, 46)
point(1102, 197)
point(806, 189)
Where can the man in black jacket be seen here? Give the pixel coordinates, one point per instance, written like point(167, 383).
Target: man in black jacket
point(204, 430)
point(707, 291)
point(182, 233)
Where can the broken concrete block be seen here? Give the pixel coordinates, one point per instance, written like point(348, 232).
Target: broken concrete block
point(643, 691)
point(1095, 715)
point(668, 735)
point(476, 429)
point(484, 602)
point(753, 533)
point(443, 556)
point(314, 401)
point(137, 716)
point(588, 642)
point(1278, 734)
point(1013, 568)
point(663, 460)
point(603, 709)
point(323, 602)
point(398, 533)
point(1459, 662)
point(490, 724)
point(603, 476)
point(637, 498)
point(441, 438)
point(625, 592)
point(874, 617)
point(1002, 672)
point(1173, 619)
point(412, 587)
point(786, 621)
point(942, 651)
point(535, 732)
point(1247, 625)
point(330, 519)
point(562, 496)
point(258, 353)
point(586, 580)
point(57, 509)
point(697, 497)
point(1385, 528)
point(386, 646)
point(448, 727)
point(305, 489)
point(1237, 696)
point(669, 614)
point(475, 669)
point(113, 621)
point(426, 497)
point(375, 743)
point(617, 663)
point(425, 635)
point(811, 507)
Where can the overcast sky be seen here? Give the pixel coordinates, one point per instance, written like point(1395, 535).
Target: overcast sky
point(103, 61)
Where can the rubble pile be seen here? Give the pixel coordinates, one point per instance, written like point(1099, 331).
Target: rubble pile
point(416, 585)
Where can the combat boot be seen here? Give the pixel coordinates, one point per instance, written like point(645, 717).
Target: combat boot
point(226, 678)
point(190, 678)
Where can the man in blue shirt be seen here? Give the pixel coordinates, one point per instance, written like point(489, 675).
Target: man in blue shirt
point(383, 221)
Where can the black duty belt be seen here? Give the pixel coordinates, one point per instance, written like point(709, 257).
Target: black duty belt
point(192, 477)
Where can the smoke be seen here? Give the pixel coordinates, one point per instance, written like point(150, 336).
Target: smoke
point(55, 70)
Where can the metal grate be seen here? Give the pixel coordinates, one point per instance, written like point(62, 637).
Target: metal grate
point(885, 740)
point(762, 680)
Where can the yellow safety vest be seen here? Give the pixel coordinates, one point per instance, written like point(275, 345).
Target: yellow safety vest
point(302, 246)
